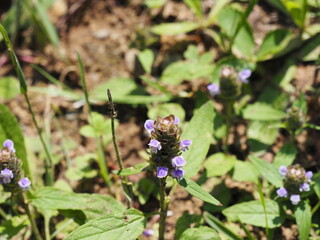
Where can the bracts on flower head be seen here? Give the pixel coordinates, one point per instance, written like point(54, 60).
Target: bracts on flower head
point(165, 146)
point(10, 169)
point(296, 180)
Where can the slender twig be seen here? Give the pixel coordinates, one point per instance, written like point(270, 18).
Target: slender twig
point(34, 227)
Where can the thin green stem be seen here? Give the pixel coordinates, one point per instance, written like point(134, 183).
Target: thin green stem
point(34, 227)
point(229, 112)
point(113, 116)
point(264, 208)
point(163, 208)
point(83, 81)
point(48, 159)
point(101, 161)
point(3, 214)
point(315, 208)
point(47, 227)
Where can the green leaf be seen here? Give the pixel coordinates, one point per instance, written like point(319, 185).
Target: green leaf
point(274, 42)
point(203, 233)
point(14, 61)
point(297, 10)
point(195, 190)
point(92, 205)
point(154, 3)
point(9, 88)
point(244, 172)
point(244, 41)
point(262, 131)
point(220, 226)
point(263, 112)
point(316, 179)
point(125, 90)
point(112, 227)
point(252, 213)
point(215, 10)
point(10, 129)
point(55, 91)
point(303, 217)
point(146, 59)
point(166, 109)
point(267, 170)
point(176, 72)
point(224, 162)
point(174, 28)
point(131, 170)
point(185, 222)
point(44, 21)
point(285, 156)
point(199, 131)
point(13, 226)
point(196, 7)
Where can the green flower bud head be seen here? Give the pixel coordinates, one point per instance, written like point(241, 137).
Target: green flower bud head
point(230, 86)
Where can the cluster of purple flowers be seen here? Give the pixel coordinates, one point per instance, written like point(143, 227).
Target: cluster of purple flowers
point(7, 167)
point(296, 181)
point(165, 147)
point(214, 89)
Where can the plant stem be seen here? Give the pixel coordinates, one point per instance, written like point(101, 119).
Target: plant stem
point(3, 214)
point(315, 208)
point(101, 161)
point(48, 159)
point(34, 227)
point(113, 116)
point(47, 228)
point(163, 208)
point(126, 185)
point(229, 112)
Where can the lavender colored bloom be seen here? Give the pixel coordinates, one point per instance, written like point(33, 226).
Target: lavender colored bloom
point(24, 184)
point(148, 125)
point(6, 175)
point(244, 75)
point(304, 187)
point(155, 145)
point(176, 120)
point(148, 232)
point(309, 175)
point(178, 161)
point(9, 144)
point(282, 192)
point(283, 171)
point(177, 173)
point(184, 144)
point(214, 89)
point(295, 199)
point(162, 172)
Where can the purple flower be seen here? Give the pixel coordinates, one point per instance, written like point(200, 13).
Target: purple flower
point(214, 89)
point(282, 192)
point(178, 161)
point(244, 75)
point(295, 199)
point(148, 232)
point(148, 125)
point(24, 184)
point(176, 120)
point(162, 172)
point(9, 144)
point(177, 173)
point(304, 187)
point(283, 171)
point(309, 175)
point(6, 175)
point(155, 145)
point(184, 144)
